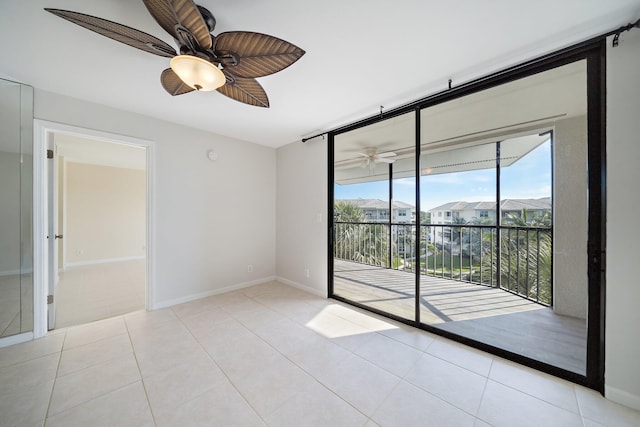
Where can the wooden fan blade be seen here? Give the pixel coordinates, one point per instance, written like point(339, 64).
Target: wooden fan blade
point(245, 90)
point(175, 16)
point(172, 83)
point(118, 32)
point(164, 15)
point(257, 54)
point(189, 16)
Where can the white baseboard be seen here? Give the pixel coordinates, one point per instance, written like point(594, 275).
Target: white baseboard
point(305, 288)
point(101, 261)
point(16, 339)
point(622, 397)
point(193, 297)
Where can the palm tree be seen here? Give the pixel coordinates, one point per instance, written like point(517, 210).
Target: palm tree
point(345, 211)
point(525, 265)
point(356, 240)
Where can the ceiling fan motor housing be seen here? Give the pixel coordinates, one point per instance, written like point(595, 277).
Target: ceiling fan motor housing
point(208, 17)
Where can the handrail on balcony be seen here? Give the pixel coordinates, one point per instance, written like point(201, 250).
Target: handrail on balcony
point(463, 252)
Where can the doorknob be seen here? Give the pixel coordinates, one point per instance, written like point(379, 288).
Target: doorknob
point(58, 236)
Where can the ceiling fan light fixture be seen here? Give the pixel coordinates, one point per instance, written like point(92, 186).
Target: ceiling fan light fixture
point(197, 73)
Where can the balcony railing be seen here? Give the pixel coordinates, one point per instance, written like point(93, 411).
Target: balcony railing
point(518, 261)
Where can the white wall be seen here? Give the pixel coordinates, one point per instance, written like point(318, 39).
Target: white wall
point(212, 218)
point(622, 370)
point(105, 213)
point(302, 215)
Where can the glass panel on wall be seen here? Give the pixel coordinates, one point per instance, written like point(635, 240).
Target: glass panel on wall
point(374, 209)
point(495, 242)
point(16, 141)
point(457, 193)
point(503, 175)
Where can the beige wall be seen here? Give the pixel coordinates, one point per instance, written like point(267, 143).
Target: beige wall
point(105, 211)
point(570, 282)
point(622, 370)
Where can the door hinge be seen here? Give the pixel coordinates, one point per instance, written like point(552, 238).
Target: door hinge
point(49, 299)
point(49, 154)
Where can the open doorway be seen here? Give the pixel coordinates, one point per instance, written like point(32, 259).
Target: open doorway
point(95, 194)
point(100, 204)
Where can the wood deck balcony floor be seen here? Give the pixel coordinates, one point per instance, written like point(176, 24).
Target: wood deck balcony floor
point(489, 315)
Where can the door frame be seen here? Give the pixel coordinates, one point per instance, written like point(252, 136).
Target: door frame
point(43, 132)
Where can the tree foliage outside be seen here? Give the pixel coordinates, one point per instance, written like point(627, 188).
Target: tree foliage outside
point(468, 253)
point(358, 241)
point(527, 254)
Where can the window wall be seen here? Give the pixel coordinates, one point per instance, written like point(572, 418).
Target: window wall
point(468, 216)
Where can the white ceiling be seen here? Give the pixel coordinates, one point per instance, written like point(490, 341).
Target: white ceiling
point(361, 54)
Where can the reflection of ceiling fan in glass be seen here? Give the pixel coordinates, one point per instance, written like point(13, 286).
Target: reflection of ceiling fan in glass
point(370, 157)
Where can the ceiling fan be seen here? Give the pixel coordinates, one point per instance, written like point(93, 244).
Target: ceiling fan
point(229, 62)
point(370, 157)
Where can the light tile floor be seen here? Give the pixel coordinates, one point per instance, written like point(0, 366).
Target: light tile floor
point(99, 291)
point(274, 355)
point(16, 304)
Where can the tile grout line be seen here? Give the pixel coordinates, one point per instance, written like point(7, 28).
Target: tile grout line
point(279, 352)
point(55, 379)
point(400, 379)
point(218, 366)
point(441, 398)
point(80, 370)
point(582, 418)
point(537, 398)
point(393, 389)
point(317, 380)
point(252, 332)
point(297, 365)
point(144, 386)
point(484, 390)
point(541, 375)
point(366, 360)
point(492, 367)
point(456, 364)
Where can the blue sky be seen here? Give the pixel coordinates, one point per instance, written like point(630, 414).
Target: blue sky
point(529, 177)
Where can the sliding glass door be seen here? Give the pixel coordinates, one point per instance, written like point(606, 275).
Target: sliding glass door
point(468, 216)
point(374, 216)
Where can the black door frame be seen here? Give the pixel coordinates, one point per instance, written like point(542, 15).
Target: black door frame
point(594, 52)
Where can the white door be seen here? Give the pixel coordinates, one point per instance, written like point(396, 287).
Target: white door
point(53, 234)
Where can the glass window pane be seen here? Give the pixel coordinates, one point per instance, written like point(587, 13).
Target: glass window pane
point(374, 206)
point(489, 272)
